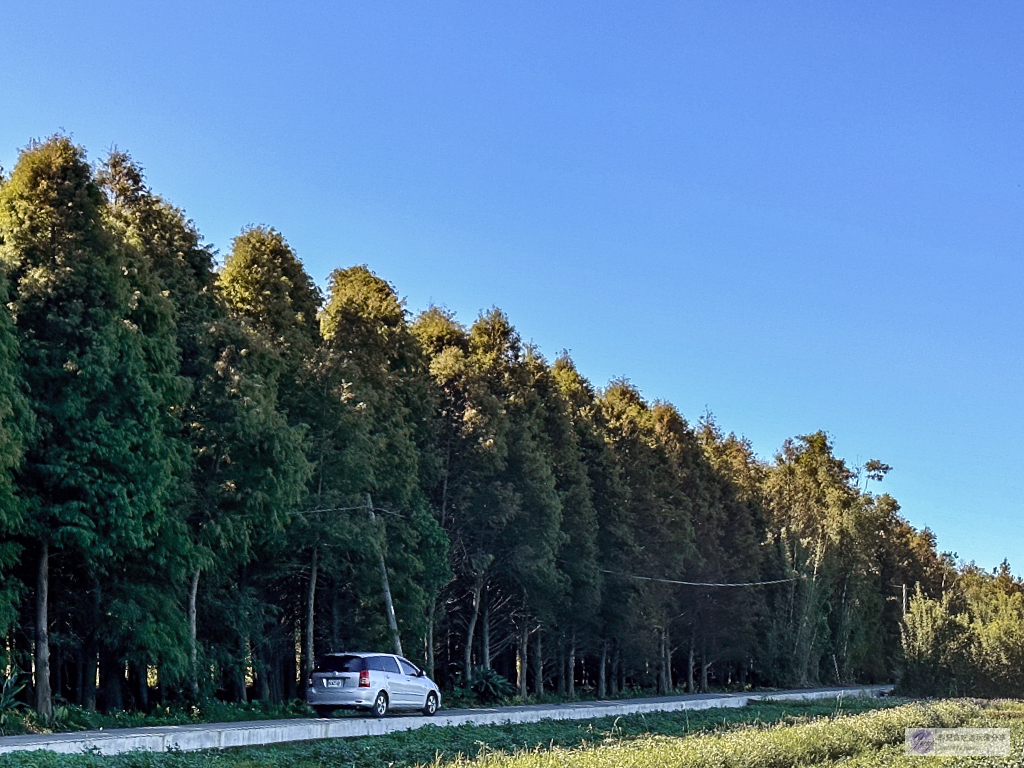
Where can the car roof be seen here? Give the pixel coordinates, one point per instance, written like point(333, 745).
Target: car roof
point(358, 653)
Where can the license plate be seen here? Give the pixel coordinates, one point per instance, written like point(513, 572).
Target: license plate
point(335, 683)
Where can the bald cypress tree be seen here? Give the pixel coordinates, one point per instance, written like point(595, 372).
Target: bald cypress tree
point(389, 407)
point(659, 509)
point(98, 472)
point(269, 294)
point(247, 467)
point(576, 610)
point(15, 429)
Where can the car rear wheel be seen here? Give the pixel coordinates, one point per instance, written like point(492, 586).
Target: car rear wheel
point(380, 705)
point(431, 706)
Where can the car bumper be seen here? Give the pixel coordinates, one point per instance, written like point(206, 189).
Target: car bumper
point(348, 698)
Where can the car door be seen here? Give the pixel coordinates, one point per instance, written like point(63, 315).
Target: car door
point(398, 690)
point(415, 683)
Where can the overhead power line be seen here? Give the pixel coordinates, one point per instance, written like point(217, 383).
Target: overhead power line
point(698, 583)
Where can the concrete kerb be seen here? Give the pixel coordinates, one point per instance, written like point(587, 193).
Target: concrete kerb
point(225, 735)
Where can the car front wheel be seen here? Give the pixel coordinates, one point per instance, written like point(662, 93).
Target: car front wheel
point(431, 706)
point(380, 705)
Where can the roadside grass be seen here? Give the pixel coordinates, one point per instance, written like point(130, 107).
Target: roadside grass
point(993, 714)
point(531, 745)
point(822, 742)
point(70, 717)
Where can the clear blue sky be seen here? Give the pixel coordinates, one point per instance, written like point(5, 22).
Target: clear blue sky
point(800, 216)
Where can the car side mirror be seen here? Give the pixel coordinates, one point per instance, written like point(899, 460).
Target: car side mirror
point(420, 673)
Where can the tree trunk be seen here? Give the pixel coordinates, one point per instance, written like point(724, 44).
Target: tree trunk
point(524, 639)
point(613, 671)
point(620, 669)
point(485, 618)
point(192, 636)
point(59, 677)
point(431, 612)
point(389, 606)
point(44, 699)
point(138, 687)
point(612, 678)
point(561, 667)
point(538, 665)
point(262, 670)
point(602, 679)
point(91, 668)
point(668, 660)
point(467, 651)
point(689, 669)
point(290, 692)
point(308, 649)
point(112, 679)
point(80, 679)
point(662, 687)
point(570, 668)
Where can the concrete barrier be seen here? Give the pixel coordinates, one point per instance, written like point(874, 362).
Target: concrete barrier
point(251, 734)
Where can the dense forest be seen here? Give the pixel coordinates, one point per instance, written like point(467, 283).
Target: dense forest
point(211, 474)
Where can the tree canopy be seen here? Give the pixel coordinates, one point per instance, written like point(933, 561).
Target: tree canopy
point(209, 476)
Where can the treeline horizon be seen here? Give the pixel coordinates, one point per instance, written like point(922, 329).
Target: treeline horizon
point(209, 477)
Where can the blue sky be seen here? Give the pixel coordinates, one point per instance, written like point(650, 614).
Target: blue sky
point(800, 216)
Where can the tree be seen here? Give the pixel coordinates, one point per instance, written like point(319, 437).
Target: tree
point(269, 293)
point(376, 381)
point(660, 512)
point(247, 468)
point(16, 423)
point(264, 284)
point(97, 475)
point(616, 545)
point(937, 644)
point(578, 613)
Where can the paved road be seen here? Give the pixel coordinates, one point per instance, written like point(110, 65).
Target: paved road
point(222, 735)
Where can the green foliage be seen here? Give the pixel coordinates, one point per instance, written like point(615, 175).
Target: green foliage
point(16, 423)
point(970, 642)
point(488, 685)
point(936, 645)
point(264, 283)
point(821, 742)
point(195, 452)
point(12, 710)
point(98, 473)
point(456, 745)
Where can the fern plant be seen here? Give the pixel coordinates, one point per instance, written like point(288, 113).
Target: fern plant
point(489, 685)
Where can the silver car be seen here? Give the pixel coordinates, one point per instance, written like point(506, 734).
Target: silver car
point(375, 682)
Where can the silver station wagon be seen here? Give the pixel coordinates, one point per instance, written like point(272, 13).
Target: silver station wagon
point(375, 682)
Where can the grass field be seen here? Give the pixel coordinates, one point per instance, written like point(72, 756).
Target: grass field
point(870, 740)
point(855, 733)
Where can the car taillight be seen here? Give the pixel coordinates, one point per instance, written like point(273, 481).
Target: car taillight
point(310, 681)
point(364, 678)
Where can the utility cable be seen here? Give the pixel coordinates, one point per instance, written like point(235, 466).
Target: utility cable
point(699, 583)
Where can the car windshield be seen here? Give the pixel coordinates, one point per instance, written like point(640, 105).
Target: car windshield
point(339, 664)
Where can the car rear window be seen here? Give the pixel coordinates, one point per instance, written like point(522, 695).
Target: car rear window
point(339, 664)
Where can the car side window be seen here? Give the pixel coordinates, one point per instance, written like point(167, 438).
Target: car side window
point(408, 668)
point(375, 663)
point(390, 665)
